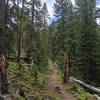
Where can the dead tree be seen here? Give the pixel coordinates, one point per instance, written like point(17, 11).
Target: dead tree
point(3, 64)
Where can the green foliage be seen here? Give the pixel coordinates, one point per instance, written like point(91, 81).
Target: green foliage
point(79, 92)
point(58, 76)
point(19, 98)
point(88, 41)
point(75, 34)
point(26, 80)
point(62, 34)
point(32, 86)
point(10, 42)
point(40, 80)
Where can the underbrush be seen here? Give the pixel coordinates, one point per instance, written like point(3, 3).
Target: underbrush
point(28, 83)
point(58, 76)
point(79, 92)
point(22, 79)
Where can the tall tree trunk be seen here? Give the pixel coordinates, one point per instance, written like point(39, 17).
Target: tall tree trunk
point(32, 19)
point(18, 34)
point(3, 65)
point(22, 12)
point(66, 70)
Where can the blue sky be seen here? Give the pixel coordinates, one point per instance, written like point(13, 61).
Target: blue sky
point(50, 4)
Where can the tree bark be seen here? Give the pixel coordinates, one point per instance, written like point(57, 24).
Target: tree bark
point(66, 70)
point(3, 65)
point(18, 34)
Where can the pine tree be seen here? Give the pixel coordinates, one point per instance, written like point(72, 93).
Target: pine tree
point(88, 40)
point(63, 10)
point(44, 35)
point(45, 15)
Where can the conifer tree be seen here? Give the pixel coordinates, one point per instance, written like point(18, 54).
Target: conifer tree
point(88, 40)
point(63, 10)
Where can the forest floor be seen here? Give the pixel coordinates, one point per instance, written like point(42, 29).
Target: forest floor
point(57, 87)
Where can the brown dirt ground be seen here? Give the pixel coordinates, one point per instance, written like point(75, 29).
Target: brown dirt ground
point(57, 87)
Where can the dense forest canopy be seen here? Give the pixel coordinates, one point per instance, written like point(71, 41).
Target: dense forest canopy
point(76, 33)
point(70, 39)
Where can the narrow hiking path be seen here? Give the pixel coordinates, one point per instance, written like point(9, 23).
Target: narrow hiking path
point(56, 86)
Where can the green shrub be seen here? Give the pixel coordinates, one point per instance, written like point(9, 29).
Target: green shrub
point(58, 76)
point(20, 98)
point(79, 92)
point(40, 80)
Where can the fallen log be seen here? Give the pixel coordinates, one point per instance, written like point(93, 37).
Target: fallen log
point(89, 87)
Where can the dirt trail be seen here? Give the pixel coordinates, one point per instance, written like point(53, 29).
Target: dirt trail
point(57, 87)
